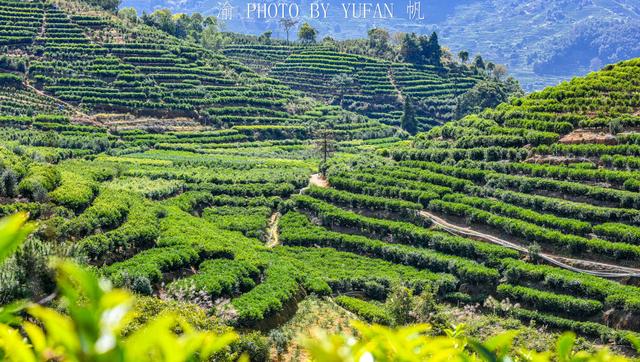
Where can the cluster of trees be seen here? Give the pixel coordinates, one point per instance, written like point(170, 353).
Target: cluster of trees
point(111, 5)
point(488, 93)
point(421, 49)
point(195, 27)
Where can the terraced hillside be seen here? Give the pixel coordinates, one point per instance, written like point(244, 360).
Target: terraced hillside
point(97, 63)
point(530, 209)
point(541, 196)
point(370, 86)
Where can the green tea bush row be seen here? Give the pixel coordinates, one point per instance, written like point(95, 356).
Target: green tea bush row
point(402, 232)
point(368, 311)
point(533, 233)
point(550, 302)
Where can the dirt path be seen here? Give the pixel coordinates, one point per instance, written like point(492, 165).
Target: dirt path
point(317, 180)
point(392, 79)
point(605, 270)
point(273, 237)
point(56, 100)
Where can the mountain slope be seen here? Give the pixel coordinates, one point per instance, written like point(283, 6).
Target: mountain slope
point(75, 59)
point(371, 86)
point(553, 178)
point(541, 41)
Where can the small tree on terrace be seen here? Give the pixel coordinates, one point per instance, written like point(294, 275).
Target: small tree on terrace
point(464, 56)
point(499, 71)
point(408, 121)
point(287, 24)
point(491, 67)
point(478, 62)
point(265, 38)
point(307, 34)
point(342, 84)
point(325, 146)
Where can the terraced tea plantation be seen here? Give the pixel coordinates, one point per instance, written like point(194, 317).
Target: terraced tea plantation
point(182, 174)
point(535, 202)
point(370, 86)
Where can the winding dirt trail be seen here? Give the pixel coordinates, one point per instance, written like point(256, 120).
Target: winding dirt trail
point(394, 83)
point(317, 180)
point(273, 237)
point(605, 270)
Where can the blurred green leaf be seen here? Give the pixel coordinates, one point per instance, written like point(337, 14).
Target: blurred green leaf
point(13, 231)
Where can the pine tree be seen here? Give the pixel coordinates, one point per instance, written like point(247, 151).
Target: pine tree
point(435, 50)
point(408, 121)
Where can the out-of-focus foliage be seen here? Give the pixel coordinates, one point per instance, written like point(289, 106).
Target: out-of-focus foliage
point(94, 315)
point(414, 343)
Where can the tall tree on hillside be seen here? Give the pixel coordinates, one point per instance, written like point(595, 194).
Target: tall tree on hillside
point(478, 62)
point(410, 49)
point(307, 34)
point(379, 41)
point(433, 53)
point(408, 120)
point(287, 24)
point(464, 56)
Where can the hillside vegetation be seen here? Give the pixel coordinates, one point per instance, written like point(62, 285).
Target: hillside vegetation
point(541, 41)
point(185, 176)
point(374, 87)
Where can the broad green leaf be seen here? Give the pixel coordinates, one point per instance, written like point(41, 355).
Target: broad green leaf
point(564, 347)
point(13, 231)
